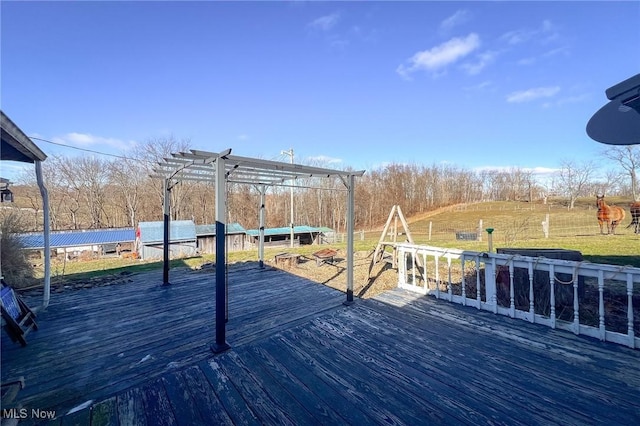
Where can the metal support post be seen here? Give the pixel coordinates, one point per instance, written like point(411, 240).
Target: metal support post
point(221, 345)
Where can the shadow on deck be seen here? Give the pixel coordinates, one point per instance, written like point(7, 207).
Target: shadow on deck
point(140, 353)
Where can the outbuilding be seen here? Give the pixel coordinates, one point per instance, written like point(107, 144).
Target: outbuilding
point(182, 239)
point(206, 237)
point(88, 243)
point(281, 237)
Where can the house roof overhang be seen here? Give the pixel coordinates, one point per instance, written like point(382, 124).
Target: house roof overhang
point(16, 146)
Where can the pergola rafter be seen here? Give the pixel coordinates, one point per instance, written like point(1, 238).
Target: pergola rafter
point(222, 168)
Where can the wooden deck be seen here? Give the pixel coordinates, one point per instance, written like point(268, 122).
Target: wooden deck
point(140, 353)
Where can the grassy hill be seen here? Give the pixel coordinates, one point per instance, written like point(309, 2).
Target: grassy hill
point(519, 224)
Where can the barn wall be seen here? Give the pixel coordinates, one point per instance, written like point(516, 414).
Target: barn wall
point(155, 251)
point(207, 244)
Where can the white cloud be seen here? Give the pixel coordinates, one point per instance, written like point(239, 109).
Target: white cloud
point(482, 60)
point(532, 94)
point(440, 56)
point(527, 61)
point(548, 54)
point(86, 140)
point(325, 23)
point(460, 17)
point(485, 85)
point(573, 99)
point(544, 34)
point(243, 137)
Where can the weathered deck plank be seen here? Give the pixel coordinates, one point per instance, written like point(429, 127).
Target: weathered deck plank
point(206, 401)
point(229, 396)
point(101, 341)
point(298, 356)
point(182, 402)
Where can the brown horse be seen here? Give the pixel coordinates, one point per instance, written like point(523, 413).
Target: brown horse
point(635, 216)
point(611, 215)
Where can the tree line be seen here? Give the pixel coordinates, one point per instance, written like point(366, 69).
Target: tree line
point(91, 192)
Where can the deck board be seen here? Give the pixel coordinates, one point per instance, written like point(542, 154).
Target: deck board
point(139, 353)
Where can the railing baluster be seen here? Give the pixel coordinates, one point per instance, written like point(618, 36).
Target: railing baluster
point(532, 309)
point(478, 280)
point(512, 298)
point(494, 295)
point(449, 271)
point(425, 281)
point(401, 275)
point(576, 305)
point(630, 310)
point(414, 253)
point(435, 274)
point(437, 263)
point(552, 295)
point(603, 330)
point(464, 283)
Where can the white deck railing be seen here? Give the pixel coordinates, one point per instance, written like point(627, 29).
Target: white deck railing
point(592, 299)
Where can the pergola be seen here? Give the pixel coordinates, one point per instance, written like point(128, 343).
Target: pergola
point(16, 146)
point(221, 168)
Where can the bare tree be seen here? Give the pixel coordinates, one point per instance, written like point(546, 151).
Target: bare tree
point(127, 181)
point(627, 157)
point(573, 178)
point(72, 183)
point(149, 154)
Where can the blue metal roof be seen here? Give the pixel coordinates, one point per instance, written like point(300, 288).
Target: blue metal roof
point(179, 230)
point(232, 228)
point(78, 238)
point(303, 229)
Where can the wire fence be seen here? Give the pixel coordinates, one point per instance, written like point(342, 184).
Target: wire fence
point(510, 223)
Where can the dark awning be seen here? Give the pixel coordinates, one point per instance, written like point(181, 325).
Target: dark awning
point(16, 146)
point(618, 122)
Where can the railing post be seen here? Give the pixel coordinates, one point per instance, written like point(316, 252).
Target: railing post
point(463, 282)
point(602, 328)
point(512, 299)
point(490, 283)
point(630, 331)
point(576, 306)
point(478, 295)
point(552, 295)
point(425, 281)
point(402, 279)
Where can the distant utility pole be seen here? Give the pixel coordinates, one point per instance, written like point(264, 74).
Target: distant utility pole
point(290, 153)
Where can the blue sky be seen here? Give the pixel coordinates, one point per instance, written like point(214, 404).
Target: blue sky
point(359, 84)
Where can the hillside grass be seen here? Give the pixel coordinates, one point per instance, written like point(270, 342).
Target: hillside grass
point(620, 249)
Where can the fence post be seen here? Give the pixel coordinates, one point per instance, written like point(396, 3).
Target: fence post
point(545, 226)
point(480, 230)
point(430, 224)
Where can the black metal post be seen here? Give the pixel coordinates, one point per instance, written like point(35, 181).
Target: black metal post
point(221, 344)
point(167, 219)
